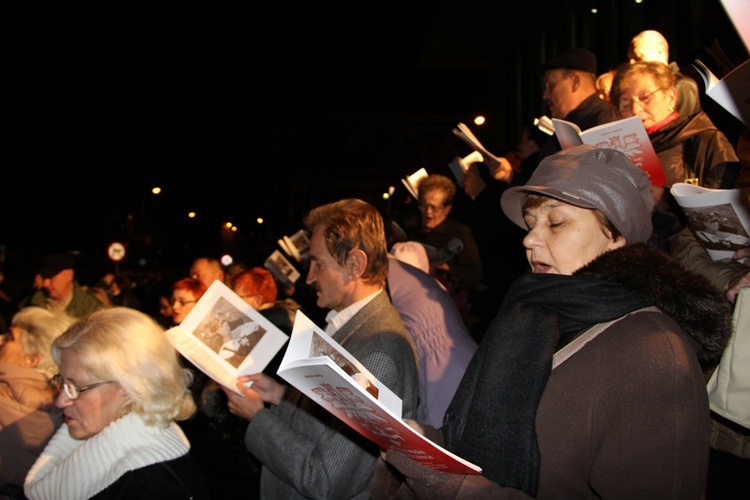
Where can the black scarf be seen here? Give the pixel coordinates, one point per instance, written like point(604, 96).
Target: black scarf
point(540, 314)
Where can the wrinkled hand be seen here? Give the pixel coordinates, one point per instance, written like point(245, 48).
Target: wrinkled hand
point(734, 288)
point(423, 481)
point(264, 389)
point(742, 253)
point(501, 171)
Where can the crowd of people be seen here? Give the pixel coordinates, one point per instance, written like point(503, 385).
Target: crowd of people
point(460, 312)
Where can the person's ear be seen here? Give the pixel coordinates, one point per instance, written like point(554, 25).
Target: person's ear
point(257, 301)
point(671, 94)
point(32, 360)
point(575, 80)
point(356, 263)
point(616, 243)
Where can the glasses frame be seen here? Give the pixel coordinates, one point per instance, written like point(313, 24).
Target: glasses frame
point(426, 207)
point(644, 101)
point(182, 302)
point(72, 390)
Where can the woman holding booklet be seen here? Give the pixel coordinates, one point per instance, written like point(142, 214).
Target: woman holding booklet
point(621, 409)
point(690, 148)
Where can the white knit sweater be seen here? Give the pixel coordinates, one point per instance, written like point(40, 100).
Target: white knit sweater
point(72, 469)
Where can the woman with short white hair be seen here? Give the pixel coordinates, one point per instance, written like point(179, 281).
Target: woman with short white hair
point(122, 391)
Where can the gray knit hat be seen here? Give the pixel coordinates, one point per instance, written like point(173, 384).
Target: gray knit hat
point(589, 177)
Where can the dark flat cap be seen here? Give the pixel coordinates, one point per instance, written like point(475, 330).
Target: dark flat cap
point(577, 58)
point(54, 263)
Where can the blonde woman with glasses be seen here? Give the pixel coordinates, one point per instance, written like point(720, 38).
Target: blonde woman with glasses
point(122, 390)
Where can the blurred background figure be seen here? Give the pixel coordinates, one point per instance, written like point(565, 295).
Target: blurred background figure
point(441, 339)
point(28, 416)
point(121, 293)
point(122, 390)
point(412, 253)
point(60, 291)
point(457, 266)
point(185, 293)
point(161, 308)
point(651, 46)
point(257, 287)
point(604, 84)
point(207, 270)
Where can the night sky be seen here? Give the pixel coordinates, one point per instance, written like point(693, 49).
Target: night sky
point(106, 102)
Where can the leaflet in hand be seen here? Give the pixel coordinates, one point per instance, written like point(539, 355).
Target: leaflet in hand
point(732, 92)
point(412, 181)
point(464, 133)
point(627, 135)
point(282, 269)
point(719, 218)
point(325, 372)
point(459, 165)
point(225, 338)
point(296, 245)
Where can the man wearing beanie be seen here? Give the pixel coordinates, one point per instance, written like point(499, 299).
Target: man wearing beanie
point(570, 93)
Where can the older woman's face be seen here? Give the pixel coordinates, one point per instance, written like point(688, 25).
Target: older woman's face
point(646, 100)
point(183, 302)
point(95, 408)
point(11, 351)
point(434, 209)
point(562, 238)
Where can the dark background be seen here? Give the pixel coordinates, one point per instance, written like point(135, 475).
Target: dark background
point(266, 110)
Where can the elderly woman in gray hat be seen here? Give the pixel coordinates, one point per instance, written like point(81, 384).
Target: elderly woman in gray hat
point(590, 381)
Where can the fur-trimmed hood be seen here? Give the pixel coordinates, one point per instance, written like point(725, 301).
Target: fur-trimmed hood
point(689, 298)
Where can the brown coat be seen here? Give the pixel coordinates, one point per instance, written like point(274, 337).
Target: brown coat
point(28, 419)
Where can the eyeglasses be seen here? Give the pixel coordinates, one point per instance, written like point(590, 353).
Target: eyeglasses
point(71, 390)
point(181, 301)
point(626, 105)
point(435, 208)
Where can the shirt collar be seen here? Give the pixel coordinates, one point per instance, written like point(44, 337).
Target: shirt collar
point(335, 320)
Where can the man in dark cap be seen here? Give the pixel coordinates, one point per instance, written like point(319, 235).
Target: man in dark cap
point(570, 93)
point(60, 291)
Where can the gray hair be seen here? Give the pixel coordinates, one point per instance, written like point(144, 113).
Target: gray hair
point(41, 327)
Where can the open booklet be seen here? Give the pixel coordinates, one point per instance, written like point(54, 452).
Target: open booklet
point(627, 135)
point(296, 246)
point(739, 13)
point(719, 218)
point(411, 182)
point(459, 166)
point(732, 92)
point(225, 338)
point(544, 124)
point(325, 372)
point(469, 138)
point(282, 269)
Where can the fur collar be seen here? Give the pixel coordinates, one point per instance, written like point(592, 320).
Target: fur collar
point(689, 298)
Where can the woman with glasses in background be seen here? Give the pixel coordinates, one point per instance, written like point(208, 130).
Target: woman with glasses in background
point(690, 148)
point(28, 416)
point(121, 391)
point(185, 293)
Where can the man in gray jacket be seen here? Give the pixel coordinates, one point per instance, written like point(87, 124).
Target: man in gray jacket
point(307, 452)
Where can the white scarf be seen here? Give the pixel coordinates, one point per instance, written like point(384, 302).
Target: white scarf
point(72, 469)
